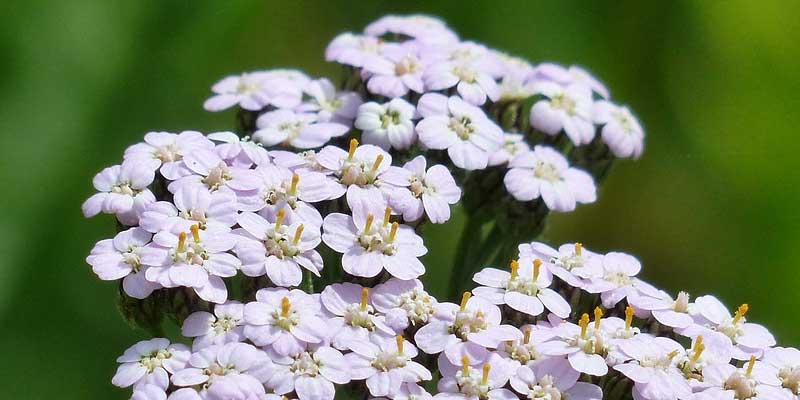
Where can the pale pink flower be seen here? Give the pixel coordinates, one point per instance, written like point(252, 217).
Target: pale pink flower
point(462, 129)
point(545, 173)
point(424, 28)
point(370, 245)
point(168, 149)
point(212, 173)
point(566, 76)
point(284, 320)
point(586, 345)
point(616, 280)
point(396, 71)
point(236, 387)
point(670, 312)
point(386, 364)
point(311, 374)
point(149, 392)
point(292, 129)
point(756, 380)
point(787, 363)
point(553, 378)
point(422, 192)
point(198, 260)
point(525, 351)
point(192, 205)
point(571, 262)
point(354, 317)
point(387, 125)
point(566, 108)
point(709, 349)
point(120, 258)
point(354, 50)
point(524, 289)
point(330, 105)
point(290, 191)
point(357, 171)
point(653, 368)
point(209, 364)
point(472, 80)
point(513, 144)
point(484, 381)
point(150, 362)
point(122, 191)
point(621, 130)
point(225, 325)
point(254, 91)
point(409, 296)
point(239, 152)
point(465, 330)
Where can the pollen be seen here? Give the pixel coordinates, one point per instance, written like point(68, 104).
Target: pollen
point(464, 299)
point(399, 339)
point(364, 298)
point(485, 378)
point(698, 349)
point(537, 266)
point(195, 233)
point(387, 214)
point(741, 312)
point(279, 218)
point(181, 241)
point(578, 249)
point(377, 163)
point(628, 317)
point(285, 307)
point(598, 314)
point(393, 231)
point(295, 181)
point(514, 269)
point(352, 151)
point(584, 323)
point(465, 366)
point(298, 234)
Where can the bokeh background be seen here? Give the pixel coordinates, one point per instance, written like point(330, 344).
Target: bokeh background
point(710, 208)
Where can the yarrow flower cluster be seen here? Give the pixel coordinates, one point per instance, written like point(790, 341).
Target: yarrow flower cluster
point(288, 250)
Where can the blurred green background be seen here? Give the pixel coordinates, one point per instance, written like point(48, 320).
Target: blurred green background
point(711, 208)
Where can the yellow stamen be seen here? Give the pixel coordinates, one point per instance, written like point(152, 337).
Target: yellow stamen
point(298, 234)
point(285, 307)
point(672, 354)
point(514, 268)
point(195, 233)
point(377, 163)
point(368, 225)
point(527, 337)
point(698, 349)
point(295, 181)
point(537, 266)
point(485, 378)
point(578, 249)
point(628, 317)
point(181, 241)
point(400, 340)
point(393, 231)
point(584, 323)
point(741, 312)
point(364, 298)
point(279, 218)
point(750, 365)
point(352, 151)
point(464, 299)
point(598, 313)
point(465, 366)
point(387, 214)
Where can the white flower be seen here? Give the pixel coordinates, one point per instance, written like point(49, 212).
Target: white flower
point(357, 171)
point(571, 262)
point(470, 382)
point(311, 373)
point(424, 28)
point(396, 71)
point(330, 105)
point(467, 134)
point(299, 130)
point(254, 91)
point(239, 152)
point(354, 50)
point(566, 108)
point(513, 145)
point(122, 191)
point(422, 192)
point(653, 367)
point(406, 295)
point(150, 362)
point(386, 364)
point(567, 76)
point(211, 172)
point(120, 258)
point(472, 80)
point(387, 125)
point(225, 325)
point(553, 379)
point(211, 363)
point(616, 279)
point(192, 205)
point(354, 318)
point(168, 149)
point(545, 173)
point(621, 130)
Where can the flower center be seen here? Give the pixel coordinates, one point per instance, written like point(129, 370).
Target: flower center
point(408, 65)
point(522, 352)
point(190, 251)
point(465, 74)
point(563, 102)
point(286, 317)
point(468, 322)
point(546, 171)
point(131, 257)
point(124, 188)
point(544, 390)
point(153, 360)
point(417, 187)
point(196, 215)
point(246, 86)
point(292, 130)
point(618, 278)
point(305, 364)
point(462, 126)
point(390, 118)
point(418, 305)
point(224, 324)
point(790, 378)
point(379, 237)
point(681, 304)
point(389, 360)
point(167, 153)
point(356, 315)
point(624, 120)
point(217, 176)
point(742, 386)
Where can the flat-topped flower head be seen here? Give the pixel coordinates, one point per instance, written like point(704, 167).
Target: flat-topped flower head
point(465, 329)
point(239, 152)
point(406, 295)
point(120, 258)
point(572, 262)
point(357, 171)
point(670, 312)
point(653, 367)
point(191, 205)
point(621, 131)
point(395, 71)
point(278, 250)
point(150, 362)
point(284, 321)
point(484, 381)
point(224, 325)
point(206, 366)
point(472, 78)
point(462, 129)
point(330, 105)
point(370, 244)
point(197, 259)
point(122, 190)
point(311, 373)
point(553, 379)
point(545, 173)
point(386, 364)
point(748, 338)
point(213, 173)
point(295, 129)
point(567, 109)
point(354, 316)
point(525, 288)
point(755, 380)
point(167, 150)
point(422, 192)
point(513, 144)
point(387, 125)
point(254, 91)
